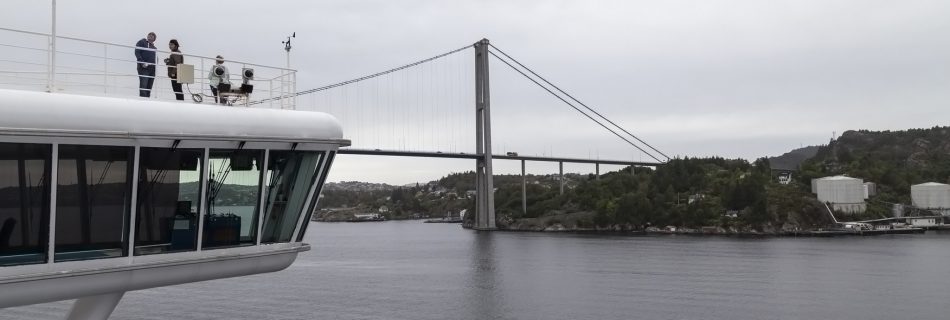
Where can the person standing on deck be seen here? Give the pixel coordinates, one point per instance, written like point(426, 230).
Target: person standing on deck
point(218, 75)
point(145, 57)
point(173, 60)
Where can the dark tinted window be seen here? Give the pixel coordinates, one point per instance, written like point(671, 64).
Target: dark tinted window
point(168, 194)
point(316, 198)
point(24, 202)
point(290, 176)
point(93, 195)
point(233, 198)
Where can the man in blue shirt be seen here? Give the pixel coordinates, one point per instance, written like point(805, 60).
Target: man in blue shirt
point(145, 56)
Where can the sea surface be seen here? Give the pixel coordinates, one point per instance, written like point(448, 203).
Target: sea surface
point(412, 270)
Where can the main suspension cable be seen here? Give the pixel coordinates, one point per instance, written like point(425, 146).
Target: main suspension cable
point(572, 106)
point(578, 101)
point(361, 78)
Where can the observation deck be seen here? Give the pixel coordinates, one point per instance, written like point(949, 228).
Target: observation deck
point(28, 61)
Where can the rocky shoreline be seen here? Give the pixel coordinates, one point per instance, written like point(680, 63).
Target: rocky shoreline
point(557, 228)
point(577, 223)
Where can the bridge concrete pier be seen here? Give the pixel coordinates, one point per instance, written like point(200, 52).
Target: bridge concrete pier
point(484, 182)
point(524, 191)
point(560, 176)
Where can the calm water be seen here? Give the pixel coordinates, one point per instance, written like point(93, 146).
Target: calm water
point(411, 270)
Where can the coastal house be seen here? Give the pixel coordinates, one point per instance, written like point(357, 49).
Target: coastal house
point(782, 176)
point(367, 217)
point(695, 197)
point(924, 222)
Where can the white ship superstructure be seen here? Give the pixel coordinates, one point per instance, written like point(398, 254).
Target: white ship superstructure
point(102, 195)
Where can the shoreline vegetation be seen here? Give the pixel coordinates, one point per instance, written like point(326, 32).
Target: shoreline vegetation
point(684, 196)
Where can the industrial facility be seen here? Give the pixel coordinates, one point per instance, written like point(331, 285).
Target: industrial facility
point(844, 194)
point(931, 196)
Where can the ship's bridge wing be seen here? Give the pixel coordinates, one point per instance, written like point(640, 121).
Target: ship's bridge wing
point(99, 196)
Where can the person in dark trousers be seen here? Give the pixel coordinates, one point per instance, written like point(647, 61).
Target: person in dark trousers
point(217, 76)
point(173, 60)
point(145, 56)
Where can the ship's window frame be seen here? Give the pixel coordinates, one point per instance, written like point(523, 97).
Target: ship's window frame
point(89, 250)
point(276, 234)
point(210, 233)
point(38, 253)
point(184, 227)
point(308, 215)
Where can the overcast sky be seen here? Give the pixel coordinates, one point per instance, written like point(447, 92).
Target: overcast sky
point(694, 78)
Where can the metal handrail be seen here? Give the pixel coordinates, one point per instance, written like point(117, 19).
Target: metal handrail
point(270, 81)
point(134, 47)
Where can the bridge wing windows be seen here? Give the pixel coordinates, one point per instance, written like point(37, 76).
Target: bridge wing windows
point(313, 202)
point(233, 198)
point(168, 195)
point(290, 175)
point(24, 202)
point(93, 196)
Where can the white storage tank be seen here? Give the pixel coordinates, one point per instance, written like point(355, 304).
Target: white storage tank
point(871, 188)
point(844, 193)
point(932, 196)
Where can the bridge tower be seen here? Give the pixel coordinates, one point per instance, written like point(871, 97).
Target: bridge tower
point(484, 184)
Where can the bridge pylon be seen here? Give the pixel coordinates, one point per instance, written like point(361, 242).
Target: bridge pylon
point(484, 183)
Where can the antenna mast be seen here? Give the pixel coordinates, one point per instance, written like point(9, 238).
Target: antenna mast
point(287, 47)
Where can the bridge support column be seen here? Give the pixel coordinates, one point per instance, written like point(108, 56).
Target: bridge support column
point(597, 171)
point(524, 191)
point(484, 182)
point(95, 307)
point(560, 176)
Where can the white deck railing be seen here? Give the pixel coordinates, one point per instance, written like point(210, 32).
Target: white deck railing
point(98, 68)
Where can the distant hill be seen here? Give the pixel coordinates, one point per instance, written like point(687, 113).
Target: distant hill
point(792, 159)
point(358, 186)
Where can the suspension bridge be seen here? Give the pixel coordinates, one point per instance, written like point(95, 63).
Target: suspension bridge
point(422, 109)
point(435, 144)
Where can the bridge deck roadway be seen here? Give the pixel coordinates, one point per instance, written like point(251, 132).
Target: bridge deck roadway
point(463, 155)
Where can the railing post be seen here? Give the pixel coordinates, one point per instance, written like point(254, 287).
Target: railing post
point(293, 90)
point(105, 68)
point(201, 83)
point(51, 77)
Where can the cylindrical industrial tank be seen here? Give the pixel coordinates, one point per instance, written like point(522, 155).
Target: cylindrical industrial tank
point(930, 195)
point(872, 188)
point(897, 210)
point(840, 189)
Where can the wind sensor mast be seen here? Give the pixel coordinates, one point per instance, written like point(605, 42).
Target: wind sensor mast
point(287, 97)
point(287, 47)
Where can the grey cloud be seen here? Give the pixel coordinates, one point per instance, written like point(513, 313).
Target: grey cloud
point(736, 78)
